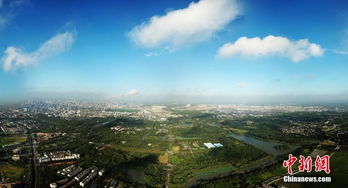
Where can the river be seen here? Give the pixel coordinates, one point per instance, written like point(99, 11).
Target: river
point(265, 146)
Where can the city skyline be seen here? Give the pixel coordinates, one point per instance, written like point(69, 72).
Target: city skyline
point(207, 50)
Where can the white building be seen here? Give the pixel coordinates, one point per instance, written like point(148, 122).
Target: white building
point(215, 145)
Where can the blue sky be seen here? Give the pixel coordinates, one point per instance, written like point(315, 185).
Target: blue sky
point(165, 49)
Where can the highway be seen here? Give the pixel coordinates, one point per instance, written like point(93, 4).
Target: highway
point(33, 181)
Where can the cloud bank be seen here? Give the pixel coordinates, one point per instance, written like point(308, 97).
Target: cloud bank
point(130, 93)
point(198, 22)
point(296, 50)
point(15, 58)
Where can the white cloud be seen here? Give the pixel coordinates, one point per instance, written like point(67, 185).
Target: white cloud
point(340, 52)
point(240, 85)
point(132, 92)
point(151, 54)
point(17, 3)
point(9, 10)
point(15, 57)
point(3, 21)
point(296, 50)
point(199, 21)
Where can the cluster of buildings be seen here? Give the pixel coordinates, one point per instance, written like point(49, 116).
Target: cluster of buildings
point(16, 149)
point(300, 130)
point(14, 121)
point(40, 137)
point(127, 130)
point(78, 174)
point(9, 126)
point(240, 110)
point(84, 109)
point(211, 145)
point(156, 113)
point(66, 109)
point(58, 156)
point(198, 145)
point(272, 108)
point(75, 109)
point(119, 129)
point(79, 109)
point(307, 128)
point(70, 171)
point(93, 173)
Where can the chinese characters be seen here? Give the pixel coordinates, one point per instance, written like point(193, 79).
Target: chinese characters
point(321, 163)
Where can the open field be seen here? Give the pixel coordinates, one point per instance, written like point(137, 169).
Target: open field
point(11, 173)
point(136, 149)
point(215, 170)
point(12, 139)
point(339, 163)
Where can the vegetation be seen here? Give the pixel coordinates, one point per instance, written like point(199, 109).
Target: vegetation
point(282, 147)
point(145, 151)
point(4, 140)
point(12, 172)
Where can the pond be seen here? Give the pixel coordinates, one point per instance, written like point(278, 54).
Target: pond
point(265, 146)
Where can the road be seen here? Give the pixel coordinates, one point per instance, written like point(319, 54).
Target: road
point(33, 181)
point(168, 167)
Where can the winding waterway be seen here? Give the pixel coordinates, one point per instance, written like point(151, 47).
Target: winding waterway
point(265, 146)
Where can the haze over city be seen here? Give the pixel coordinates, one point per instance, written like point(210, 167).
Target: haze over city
point(174, 51)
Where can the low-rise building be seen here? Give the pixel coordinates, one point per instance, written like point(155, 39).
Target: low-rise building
point(53, 185)
point(16, 157)
point(82, 175)
point(87, 179)
point(215, 145)
point(101, 172)
point(58, 156)
point(74, 172)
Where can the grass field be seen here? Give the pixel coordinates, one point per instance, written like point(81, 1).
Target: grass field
point(176, 159)
point(264, 175)
point(215, 170)
point(339, 167)
point(187, 138)
point(11, 172)
point(12, 139)
point(136, 149)
point(238, 131)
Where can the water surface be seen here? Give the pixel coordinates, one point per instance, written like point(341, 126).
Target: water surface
point(265, 146)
